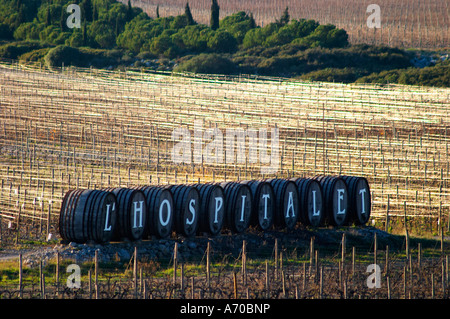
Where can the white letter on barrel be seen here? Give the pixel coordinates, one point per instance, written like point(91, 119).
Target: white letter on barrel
point(265, 196)
point(219, 200)
point(164, 222)
point(362, 191)
point(340, 197)
point(108, 228)
point(290, 205)
point(136, 211)
point(315, 213)
point(243, 206)
point(192, 210)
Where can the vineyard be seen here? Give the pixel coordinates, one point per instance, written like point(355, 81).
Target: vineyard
point(420, 24)
point(74, 128)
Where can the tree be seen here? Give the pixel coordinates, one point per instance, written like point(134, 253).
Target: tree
point(129, 11)
point(157, 11)
point(222, 42)
point(187, 12)
point(86, 6)
point(62, 20)
point(284, 17)
point(49, 17)
point(214, 23)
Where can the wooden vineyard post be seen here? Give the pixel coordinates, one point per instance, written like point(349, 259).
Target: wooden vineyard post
point(321, 283)
point(57, 274)
point(276, 258)
point(244, 262)
point(386, 229)
point(375, 249)
point(135, 270)
point(353, 260)
point(235, 289)
point(208, 264)
point(311, 253)
point(175, 261)
point(387, 260)
point(267, 282)
point(20, 276)
point(96, 274)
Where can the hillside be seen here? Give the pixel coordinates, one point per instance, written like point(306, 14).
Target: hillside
point(115, 35)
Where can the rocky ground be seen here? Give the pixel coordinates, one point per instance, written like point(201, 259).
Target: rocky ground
point(258, 244)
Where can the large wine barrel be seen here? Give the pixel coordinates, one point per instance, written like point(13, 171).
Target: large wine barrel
point(187, 209)
point(263, 207)
point(359, 199)
point(286, 201)
point(310, 198)
point(335, 199)
point(238, 198)
point(212, 208)
point(160, 208)
point(131, 213)
point(88, 215)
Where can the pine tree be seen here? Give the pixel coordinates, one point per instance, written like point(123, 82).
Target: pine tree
point(187, 12)
point(157, 11)
point(214, 15)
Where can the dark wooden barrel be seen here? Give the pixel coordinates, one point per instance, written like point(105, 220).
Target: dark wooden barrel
point(335, 199)
point(131, 213)
point(187, 209)
point(286, 202)
point(359, 199)
point(88, 215)
point(212, 208)
point(310, 199)
point(160, 208)
point(238, 198)
point(263, 207)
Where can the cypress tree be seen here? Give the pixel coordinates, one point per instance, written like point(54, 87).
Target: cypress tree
point(129, 11)
point(157, 11)
point(84, 33)
point(285, 17)
point(214, 15)
point(62, 20)
point(187, 12)
point(252, 21)
point(49, 16)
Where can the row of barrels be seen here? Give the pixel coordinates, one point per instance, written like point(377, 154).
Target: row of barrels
point(115, 214)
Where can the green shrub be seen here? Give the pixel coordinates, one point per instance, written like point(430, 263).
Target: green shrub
point(64, 54)
point(207, 64)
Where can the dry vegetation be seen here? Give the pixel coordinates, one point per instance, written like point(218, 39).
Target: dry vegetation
point(420, 24)
point(82, 128)
point(92, 128)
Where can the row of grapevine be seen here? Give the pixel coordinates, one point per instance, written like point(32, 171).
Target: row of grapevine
point(83, 128)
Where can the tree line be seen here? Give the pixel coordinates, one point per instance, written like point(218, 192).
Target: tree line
point(113, 33)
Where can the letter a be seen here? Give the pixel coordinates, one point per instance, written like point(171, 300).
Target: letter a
point(74, 20)
point(374, 20)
